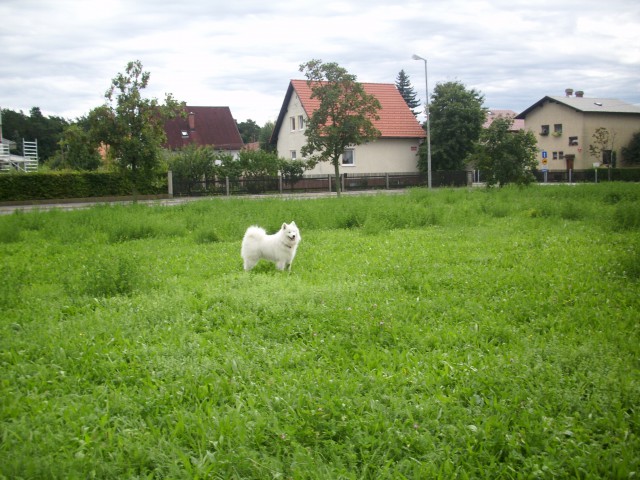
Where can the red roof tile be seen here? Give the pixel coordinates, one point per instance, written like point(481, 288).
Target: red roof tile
point(492, 114)
point(396, 119)
point(204, 126)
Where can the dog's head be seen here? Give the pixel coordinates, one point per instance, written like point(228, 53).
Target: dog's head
point(291, 232)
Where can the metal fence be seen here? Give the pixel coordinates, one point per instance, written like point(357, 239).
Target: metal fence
point(591, 175)
point(375, 181)
point(315, 183)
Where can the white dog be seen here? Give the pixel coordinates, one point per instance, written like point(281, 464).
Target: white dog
point(279, 248)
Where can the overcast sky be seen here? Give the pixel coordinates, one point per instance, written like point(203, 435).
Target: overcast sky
point(61, 55)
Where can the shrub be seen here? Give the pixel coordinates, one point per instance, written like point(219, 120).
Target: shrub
point(59, 185)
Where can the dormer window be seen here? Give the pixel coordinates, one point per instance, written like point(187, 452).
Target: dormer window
point(544, 130)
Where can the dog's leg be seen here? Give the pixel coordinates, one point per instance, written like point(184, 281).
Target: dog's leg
point(249, 264)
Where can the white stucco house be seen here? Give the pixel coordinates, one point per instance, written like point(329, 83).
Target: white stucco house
point(395, 151)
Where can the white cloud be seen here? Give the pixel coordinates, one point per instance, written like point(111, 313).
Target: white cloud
point(61, 55)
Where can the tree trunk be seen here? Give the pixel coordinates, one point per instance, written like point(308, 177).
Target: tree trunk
point(338, 183)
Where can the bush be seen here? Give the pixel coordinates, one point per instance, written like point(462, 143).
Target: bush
point(58, 185)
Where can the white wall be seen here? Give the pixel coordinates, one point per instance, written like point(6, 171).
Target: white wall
point(383, 155)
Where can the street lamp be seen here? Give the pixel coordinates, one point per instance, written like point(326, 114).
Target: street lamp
point(426, 81)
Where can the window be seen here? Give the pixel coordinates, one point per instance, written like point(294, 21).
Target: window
point(557, 129)
point(544, 130)
point(555, 155)
point(606, 157)
point(573, 141)
point(560, 155)
point(300, 122)
point(293, 155)
point(293, 123)
point(348, 157)
point(185, 134)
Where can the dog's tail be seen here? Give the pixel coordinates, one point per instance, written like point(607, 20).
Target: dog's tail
point(255, 232)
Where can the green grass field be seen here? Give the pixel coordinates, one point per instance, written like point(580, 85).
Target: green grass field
point(438, 334)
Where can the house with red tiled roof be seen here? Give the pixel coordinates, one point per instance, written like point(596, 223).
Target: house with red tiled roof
point(204, 127)
point(493, 113)
point(395, 151)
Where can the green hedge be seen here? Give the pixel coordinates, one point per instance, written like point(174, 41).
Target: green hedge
point(61, 185)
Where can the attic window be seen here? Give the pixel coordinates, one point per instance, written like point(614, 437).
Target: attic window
point(185, 134)
point(544, 130)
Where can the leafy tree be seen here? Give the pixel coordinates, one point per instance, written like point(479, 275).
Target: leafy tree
point(132, 126)
point(602, 147)
point(227, 166)
point(194, 163)
point(258, 163)
point(456, 119)
point(403, 84)
point(292, 170)
point(506, 156)
point(47, 131)
point(265, 137)
point(76, 151)
point(631, 153)
point(249, 131)
point(344, 116)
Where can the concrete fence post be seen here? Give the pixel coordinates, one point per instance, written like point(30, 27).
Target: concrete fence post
point(170, 183)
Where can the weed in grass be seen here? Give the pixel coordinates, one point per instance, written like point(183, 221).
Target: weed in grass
point(105, 275)
point(206, 235)
point(626, 216)
point(10, 232)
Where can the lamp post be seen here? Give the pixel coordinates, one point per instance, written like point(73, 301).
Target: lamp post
point(426, 82)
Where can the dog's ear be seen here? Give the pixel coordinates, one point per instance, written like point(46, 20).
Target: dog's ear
point(293, 224)
point(284, 226)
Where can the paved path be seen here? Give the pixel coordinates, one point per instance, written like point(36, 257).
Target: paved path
point(62, 205)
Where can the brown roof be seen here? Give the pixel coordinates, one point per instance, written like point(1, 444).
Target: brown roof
point(492, 114)
point(396, 119)
point(204, 126)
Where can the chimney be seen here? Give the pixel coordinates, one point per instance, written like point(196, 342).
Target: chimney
point(568, 92)
point(579, 93)
point(192, 121)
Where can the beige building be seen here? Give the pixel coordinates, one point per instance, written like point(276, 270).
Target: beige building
point(395, 151)
point(564, 128)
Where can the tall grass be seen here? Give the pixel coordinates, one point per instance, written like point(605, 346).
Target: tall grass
point(436, 334)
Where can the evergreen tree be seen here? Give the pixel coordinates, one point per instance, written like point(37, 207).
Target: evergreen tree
point(403, 84)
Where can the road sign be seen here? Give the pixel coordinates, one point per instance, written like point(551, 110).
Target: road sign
point(544, 154)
